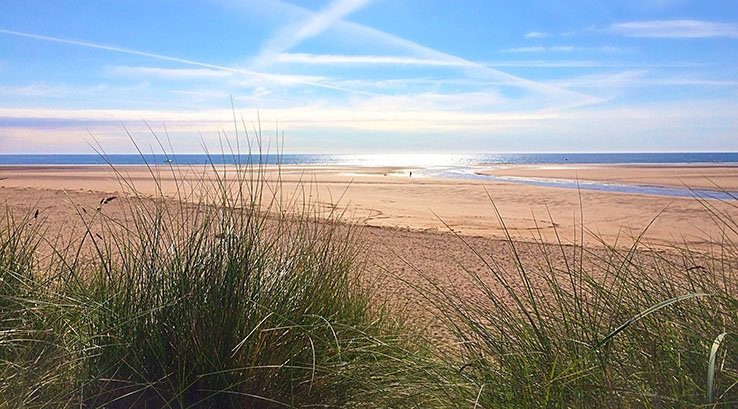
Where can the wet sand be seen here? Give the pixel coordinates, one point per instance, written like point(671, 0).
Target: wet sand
point(693, 176)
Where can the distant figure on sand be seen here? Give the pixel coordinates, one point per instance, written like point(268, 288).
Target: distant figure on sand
point(411, 174)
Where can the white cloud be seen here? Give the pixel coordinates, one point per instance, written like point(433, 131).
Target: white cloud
point(558, 48)
point(36, 89)
point(561, 48)
point(582, 63)
point(524, 50)
point(332, 59)
point(236, 70)
point(382, 113)
point(677, 123)
point(689, 81)
point(555, 97)
point(313, 25)
point(287, 80)
point(604, 82)
point(638, 78)
point(536, 34)
point(675, 29)
point(364, 34)
point(169, 73)
point(205, 73)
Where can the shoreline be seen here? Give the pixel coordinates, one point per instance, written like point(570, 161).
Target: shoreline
point(680, 176)
point(423, 204)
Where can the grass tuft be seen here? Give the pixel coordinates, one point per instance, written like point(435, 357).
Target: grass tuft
point(233, 293)
point(595, 327)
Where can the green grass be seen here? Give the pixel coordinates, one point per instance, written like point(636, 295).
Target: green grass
point(610, 327)
point(216, 299)
point(238, 294)
point(34, 360)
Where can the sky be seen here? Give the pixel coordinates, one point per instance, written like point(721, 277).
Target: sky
point(370, 76)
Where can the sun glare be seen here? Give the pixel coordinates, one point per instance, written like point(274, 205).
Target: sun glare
point(424, 160)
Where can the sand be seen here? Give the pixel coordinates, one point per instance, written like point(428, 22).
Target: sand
point(442, 205)
point(694, 176)
point(414, 228)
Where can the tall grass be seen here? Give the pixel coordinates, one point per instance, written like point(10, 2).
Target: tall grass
point(35, 364)
point(609, 327)
point(18, 319)
point(229, 305)
point(233, 294)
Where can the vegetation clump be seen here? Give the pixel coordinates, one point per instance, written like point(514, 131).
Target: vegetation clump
point(215, 299)
point(599, 327)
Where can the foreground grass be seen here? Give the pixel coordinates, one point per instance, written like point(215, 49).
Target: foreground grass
point(612, 327)
point(210, 302)
point(237, 297)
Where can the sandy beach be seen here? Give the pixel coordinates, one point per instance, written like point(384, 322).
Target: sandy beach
point(410, 224)
point(692, 176)
point(377, 197)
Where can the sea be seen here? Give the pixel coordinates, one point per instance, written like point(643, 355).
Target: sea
point(408, 160)
point(458, 166)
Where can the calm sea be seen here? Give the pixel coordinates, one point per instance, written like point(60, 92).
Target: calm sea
point(376, 159)
point(431, 165)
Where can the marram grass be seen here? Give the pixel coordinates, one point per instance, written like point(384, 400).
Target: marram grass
point(609, 327)
point(216, 300)
point(230, 296)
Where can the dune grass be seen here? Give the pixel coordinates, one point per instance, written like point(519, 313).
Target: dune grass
point(36, 364)
point(237, 294)
point(610, 327)
point(234, 294)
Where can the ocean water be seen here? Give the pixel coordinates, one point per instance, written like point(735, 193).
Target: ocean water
point(423, 160)
point(430, 165)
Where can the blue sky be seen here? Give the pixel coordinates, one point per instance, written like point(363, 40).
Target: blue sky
point(361, 76)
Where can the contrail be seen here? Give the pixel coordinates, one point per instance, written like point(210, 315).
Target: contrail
point(175, 59)
point(314, 24)
point(433, 54)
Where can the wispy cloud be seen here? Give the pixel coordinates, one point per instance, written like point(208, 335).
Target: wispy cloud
point(362, 33)
point(370, 116)
point(286, 80)
point(313, 25)
point(473, 69)
point(639, 78)
point(537, 49)
point(605, 82)
point(169, 73)
point(43, 89)
point(168, 58)
point(335, 59)
point(26, 130)
point(675, 29)
point(536, 34)
point(144, 72)
point(332, 59)
point(561, 49)
point(583, 64)
point(689, 81)
point(477, 70)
